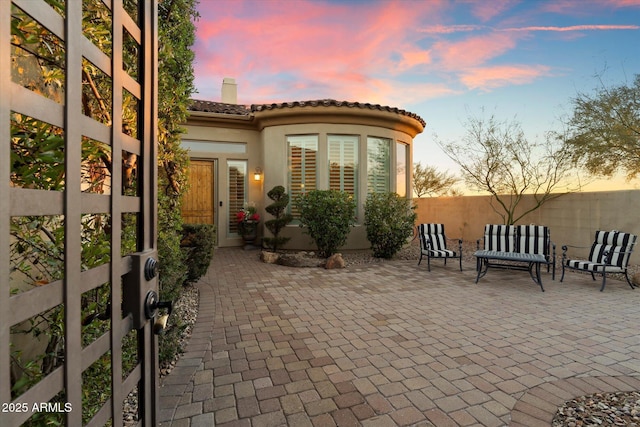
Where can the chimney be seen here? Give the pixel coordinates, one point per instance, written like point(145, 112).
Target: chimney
point(229, 91)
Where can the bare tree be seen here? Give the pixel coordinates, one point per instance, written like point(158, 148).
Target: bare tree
point(427, 181)
point(497, 158)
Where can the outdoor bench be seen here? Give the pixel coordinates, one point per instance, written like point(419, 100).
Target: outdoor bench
point(516, 247)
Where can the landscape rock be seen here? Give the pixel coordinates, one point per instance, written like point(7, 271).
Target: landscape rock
point(635, 279)
point(301, 259)
point(334, 261)
point(269, 257)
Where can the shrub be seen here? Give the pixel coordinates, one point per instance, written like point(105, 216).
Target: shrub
point(328, 216)
point(281, 218)
point(389, 219)
point(198, 241)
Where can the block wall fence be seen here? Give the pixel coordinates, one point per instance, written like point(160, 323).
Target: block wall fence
point(572, 218)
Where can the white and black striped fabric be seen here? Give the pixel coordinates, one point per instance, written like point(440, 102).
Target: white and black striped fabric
point(533, 239)
point(501, 238)
point(610, 253)
point(593, 266)
point(610, 250)
point(612, 242)
point(433, 241)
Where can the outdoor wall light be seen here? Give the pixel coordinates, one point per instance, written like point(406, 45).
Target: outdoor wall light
point(257, 174)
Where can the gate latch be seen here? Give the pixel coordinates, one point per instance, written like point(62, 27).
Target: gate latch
point(139, 288)
point(151, 305)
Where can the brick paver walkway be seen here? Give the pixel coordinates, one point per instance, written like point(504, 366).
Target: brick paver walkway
point(391, 344)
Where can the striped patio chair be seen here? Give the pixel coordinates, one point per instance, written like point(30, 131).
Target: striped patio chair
point(536, 239)
point(498, 237)
point(433, 244)
point(610, 253)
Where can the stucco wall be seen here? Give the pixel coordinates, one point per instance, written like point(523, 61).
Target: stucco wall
point(267, 149)
point(572, 218)
point(264, 130)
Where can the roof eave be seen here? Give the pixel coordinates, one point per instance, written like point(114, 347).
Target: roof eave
point(338, 114)
point(219, 116)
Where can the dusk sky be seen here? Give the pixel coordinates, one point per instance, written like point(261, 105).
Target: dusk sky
point(442, 60)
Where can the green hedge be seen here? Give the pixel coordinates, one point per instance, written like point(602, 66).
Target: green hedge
point(198, 241)
point(328, 216)
point(389, 219)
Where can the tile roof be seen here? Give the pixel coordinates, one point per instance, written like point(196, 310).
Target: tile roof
point(219, 107)
point(334, 103)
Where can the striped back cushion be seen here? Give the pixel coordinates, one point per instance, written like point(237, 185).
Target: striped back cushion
point(433, 233)
point(499, 238)
point(533, 239)
point(612, 242)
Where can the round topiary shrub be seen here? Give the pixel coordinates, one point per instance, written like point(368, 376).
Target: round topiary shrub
point(328, 216)
point(280, 217)
point(389, 219)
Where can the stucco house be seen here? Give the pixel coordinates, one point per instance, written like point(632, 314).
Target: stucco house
point(238, 153)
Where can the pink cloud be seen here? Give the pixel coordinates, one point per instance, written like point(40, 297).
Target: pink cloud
point(582, 7)
point(574, 28)
point(450, 29)
point(384, 53)
point(317, 45)
point(414, 58)
point(473, 51)
point(487, 10)
point(487, 78)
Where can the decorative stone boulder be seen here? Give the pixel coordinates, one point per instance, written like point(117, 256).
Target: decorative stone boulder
point(269, 257)
point(635, 279)
point(334, 261)
point(302, 259)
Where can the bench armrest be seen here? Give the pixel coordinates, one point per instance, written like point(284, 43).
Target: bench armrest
point(451, 239)
point(609, 254)
point(566, 247)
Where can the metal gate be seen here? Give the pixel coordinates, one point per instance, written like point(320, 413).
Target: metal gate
point(77, 211)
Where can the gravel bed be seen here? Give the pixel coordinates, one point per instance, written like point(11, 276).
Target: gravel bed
point(600, 409)
point(185, 309)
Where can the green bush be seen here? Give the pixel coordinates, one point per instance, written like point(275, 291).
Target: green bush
point(198, 241)
point(281, 218)
point(389, 219)
point(328, 216)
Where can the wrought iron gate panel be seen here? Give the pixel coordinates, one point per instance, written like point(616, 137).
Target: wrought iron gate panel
point(73, 203)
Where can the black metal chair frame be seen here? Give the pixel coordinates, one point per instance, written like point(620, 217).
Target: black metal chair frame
point(608, 255)
point(430, 248)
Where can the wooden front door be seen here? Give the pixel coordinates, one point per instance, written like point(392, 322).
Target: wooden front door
point(198, 206)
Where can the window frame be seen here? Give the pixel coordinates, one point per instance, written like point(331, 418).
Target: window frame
point(373, 175)
point(307, 143)
point(234, 206)
point(343, 141)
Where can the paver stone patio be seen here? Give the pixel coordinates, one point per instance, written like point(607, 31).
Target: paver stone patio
point(390, 344)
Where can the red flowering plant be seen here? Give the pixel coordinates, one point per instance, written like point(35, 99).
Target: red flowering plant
point(248, 219)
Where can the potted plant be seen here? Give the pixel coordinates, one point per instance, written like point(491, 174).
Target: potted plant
point(248, 219)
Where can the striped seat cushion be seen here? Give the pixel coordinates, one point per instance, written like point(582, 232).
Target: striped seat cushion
point(613, 243)
point(440, 253)
point(499, 238)
point(433, 241)
point(591, 266)
point(533, 239)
